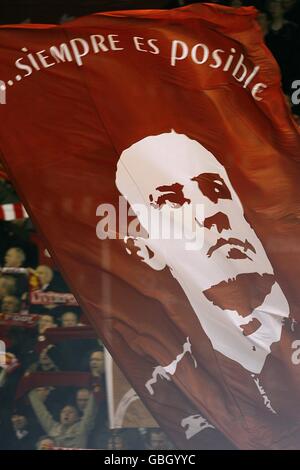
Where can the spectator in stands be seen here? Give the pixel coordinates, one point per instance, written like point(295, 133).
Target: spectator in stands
point(45, 443)
point(45, 322)
point(14, 258)
point(82, 398)
point(97, 363)
point(69, 319)
point(19, 436)
point(10, 304)
point(46, 277)
point(8, 286)
point(71, 431)
point(157, 440)
point(44, 364)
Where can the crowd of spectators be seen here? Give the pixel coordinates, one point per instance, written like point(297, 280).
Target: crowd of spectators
point(72, 411)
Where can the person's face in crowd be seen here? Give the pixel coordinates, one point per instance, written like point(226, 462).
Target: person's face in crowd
point(275, 8)
point(45, 322)
point(14, 258)
point(19, 422)
point(45, 274)
point(7, 286)
point(157, 441)
point(97, 363)
point(69, 319)
point(10, 304)
point(45, 362)
point(45, 444)
point(82, 398)
point(68, 416)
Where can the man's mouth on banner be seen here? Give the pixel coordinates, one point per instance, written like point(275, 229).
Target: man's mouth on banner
point(242, 294)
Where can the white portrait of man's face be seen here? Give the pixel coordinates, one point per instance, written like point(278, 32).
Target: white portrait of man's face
point(229, 280)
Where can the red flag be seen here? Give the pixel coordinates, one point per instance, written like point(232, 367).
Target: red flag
point(179, 112)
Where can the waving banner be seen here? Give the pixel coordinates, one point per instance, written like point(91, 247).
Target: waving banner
point(156, 154)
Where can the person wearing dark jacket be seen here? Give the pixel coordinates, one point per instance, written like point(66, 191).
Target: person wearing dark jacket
point(19, 435)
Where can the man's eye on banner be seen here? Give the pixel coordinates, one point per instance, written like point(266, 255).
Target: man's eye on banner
point(173, 196)
point(212, 186)
point(229, 281)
